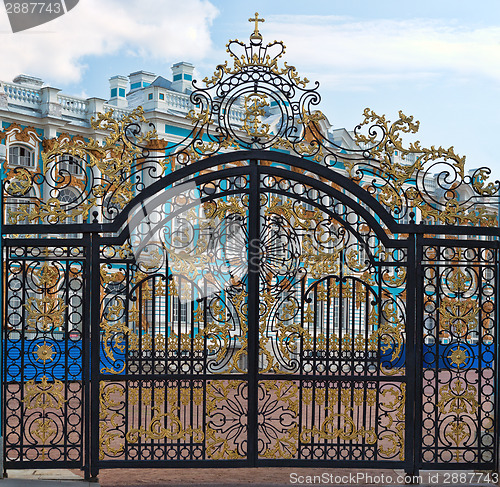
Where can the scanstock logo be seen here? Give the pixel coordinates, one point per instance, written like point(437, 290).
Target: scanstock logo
point(25, 14)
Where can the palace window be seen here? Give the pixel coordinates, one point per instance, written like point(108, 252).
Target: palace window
point(177, 305)
point(71, 164)
point(21, 156)
point(66, 196)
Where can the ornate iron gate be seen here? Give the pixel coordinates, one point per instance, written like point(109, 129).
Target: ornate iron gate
point(252, 307)
point(251, 350)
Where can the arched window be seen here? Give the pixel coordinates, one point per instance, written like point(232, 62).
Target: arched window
point(66, 196)
point(21, 156)
point(71, 164)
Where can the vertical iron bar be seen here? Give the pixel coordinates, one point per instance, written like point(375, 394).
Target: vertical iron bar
point(25, 296)
point(496, 341)
point(440, 271)
point(67, 298)
point(95, 356)
point(413, 351)
point(480, 321)
point(4, 252)
point(86, 321)
point(341, 316)
point(253, 309)
point(3, 337)
point(328, 328)
point(419, 357)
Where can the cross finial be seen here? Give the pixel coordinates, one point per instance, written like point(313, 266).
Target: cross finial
point(256, 34)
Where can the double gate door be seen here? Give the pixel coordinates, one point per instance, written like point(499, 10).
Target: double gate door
point(248, 321)
point(251, 315)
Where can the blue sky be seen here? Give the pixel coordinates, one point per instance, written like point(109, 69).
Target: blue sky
point(437, 60)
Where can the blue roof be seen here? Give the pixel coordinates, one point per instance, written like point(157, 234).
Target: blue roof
point(162, 83)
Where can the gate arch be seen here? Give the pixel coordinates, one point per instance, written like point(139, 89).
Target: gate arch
point(222, 303)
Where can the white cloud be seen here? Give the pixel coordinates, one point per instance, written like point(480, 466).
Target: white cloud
point(377, 51)
point(158, 29)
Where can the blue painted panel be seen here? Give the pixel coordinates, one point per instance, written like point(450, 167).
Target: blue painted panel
point(66, 363)
point(439, 356)
point(182, 132)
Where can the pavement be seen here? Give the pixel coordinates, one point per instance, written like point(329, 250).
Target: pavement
point(254, 477)
point(44, 478)
point(285, 476)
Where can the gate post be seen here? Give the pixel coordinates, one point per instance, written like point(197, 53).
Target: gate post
point(411, 357)
point(92, 409)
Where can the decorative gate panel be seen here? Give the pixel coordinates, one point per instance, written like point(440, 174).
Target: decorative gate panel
point(332, 322)
point(44, 352)
point(173, 327)
point(459, 292)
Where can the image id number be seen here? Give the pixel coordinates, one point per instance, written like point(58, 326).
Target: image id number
point(33, 7)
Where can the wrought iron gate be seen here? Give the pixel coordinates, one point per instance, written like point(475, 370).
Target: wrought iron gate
point(253, 307)
point(250, 350)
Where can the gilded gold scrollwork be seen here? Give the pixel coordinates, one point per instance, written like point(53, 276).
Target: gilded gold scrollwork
point(458, 398)
point(239, 301)
point(45, 313)
point(266, 305)
point(458, 316)
point(254, 104)
point(47, 275)
point(458, 432)
point(111, 436)
point(279, 411)
point(19, 182)
point(391, 332)
point(44, 394)
point(156, 431)
point(348, 431)
point(391, 439)
point(113, 338)
point(225, 407)
point(45, 429)
point(399, 191)
point(218, 332)
point(49, 211)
